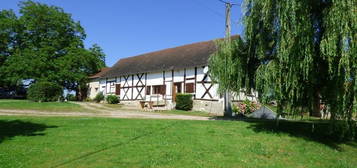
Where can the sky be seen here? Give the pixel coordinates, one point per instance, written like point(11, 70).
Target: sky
point(125, 28)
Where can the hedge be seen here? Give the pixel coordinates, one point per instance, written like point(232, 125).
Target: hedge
point(184, 102)
point(44, 91)
point(71, 97)
point(99, 97)
point(112, 99)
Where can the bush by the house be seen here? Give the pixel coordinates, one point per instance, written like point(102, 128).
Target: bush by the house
point(184, 102)
point(112, 99)
point(99, 97)
point(71, 97)
point(235, 109)
point(44, 91)
point(247, 107)
point(88, 99)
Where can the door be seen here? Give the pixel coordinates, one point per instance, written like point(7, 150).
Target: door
point(177, 88)
point(117, 89)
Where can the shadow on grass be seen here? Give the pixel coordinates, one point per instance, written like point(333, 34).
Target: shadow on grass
point(12, 128)
point(318, 131)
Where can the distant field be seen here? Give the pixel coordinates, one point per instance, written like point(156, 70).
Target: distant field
point(44, 106)
point(103, 142)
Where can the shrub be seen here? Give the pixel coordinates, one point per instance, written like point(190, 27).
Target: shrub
point(71, 97)
point(247, 107)
point(88, 99)
point(184, 102)
point(44, 91)
point(99, 97)
point(112, 99)
point(235, 109)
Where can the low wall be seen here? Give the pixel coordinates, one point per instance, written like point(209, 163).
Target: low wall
point(212, 107)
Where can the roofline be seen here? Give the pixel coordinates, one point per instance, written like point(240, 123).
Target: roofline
point(162, 50)
point(151, 52)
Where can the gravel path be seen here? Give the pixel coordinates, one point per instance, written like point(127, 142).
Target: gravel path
point(102, 111)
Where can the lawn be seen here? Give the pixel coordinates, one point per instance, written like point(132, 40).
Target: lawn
point(105, 142)
point(44, 106)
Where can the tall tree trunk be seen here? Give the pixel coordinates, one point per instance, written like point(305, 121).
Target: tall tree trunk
point(315, 110)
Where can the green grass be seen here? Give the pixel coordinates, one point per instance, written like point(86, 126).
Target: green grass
point(103, 142)
point(44, 106)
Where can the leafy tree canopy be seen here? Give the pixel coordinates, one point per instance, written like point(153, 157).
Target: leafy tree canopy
point(45, 43)
point(302, 51)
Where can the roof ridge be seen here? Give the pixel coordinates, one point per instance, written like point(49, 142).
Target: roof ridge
point(179, 57)
point(185, 45)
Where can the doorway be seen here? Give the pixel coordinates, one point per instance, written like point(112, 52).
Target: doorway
point(176, 88)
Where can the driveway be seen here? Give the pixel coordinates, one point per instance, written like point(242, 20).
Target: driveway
point(99, 110)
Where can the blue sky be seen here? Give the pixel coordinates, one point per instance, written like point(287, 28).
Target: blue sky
point(126, 28)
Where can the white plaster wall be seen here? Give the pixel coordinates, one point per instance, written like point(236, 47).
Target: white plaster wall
point(155, 78)
point(200, 74)
point(102, 85)
point(168, 83)
point(200, 89)
point(93, 87)
point(109, 88)
point(190, 73)
point(123, 89)
point(178, 75)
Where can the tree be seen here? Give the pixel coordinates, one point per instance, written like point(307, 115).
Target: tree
point(304, 52)
point(228, 66)
point(9, 36)
point(85, 62)
point(46, 44)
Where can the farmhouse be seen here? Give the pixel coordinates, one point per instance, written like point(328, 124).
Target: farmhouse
point(159, 76)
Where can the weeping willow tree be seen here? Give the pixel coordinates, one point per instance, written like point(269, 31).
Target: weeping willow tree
point(301, 51)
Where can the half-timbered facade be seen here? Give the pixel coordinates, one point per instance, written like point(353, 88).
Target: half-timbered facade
point(161, 75)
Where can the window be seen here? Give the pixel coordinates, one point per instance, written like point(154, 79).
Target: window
point(189, 88)
point(111, 87)
point(178, 87)
point(148, 90)
point(159, 89)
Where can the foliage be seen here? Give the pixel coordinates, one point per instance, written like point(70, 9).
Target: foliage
point(235, 109)
point(184, 102)
point(228, 66)
point(71, 97)
point(45, 43)
point(112, 99)
point(99, 97)
point(44, 91)
point(302, 52)
point(245, 107)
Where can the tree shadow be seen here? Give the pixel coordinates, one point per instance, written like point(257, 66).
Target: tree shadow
point(318, 131)
point(12, 128)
